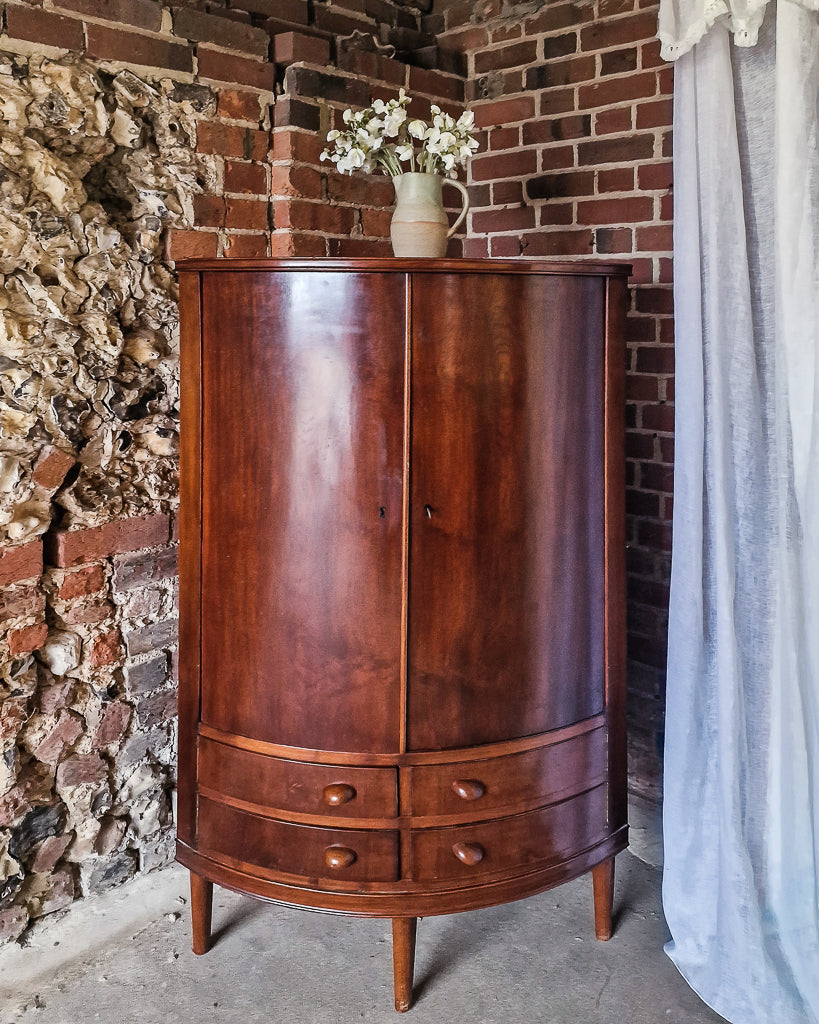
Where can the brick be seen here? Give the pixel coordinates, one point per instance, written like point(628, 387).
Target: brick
point(289, 47)
point(558, 243)
point(557, 129)
point(296, 181)
point(245, 177)
point(432, 83)
point(505, 57)
point(331, 21)
point(516, 219)
point(87, 612)
point(374, 67)
point(149, 51)
point(211, 28)
point(616, 151)
point(224, 139)
point(556, 101)
point(246, 246)
point(225, 67)
point(24, 562)
point(51, 467)
point(360, 190)
point(27, 639)
point(655, 239)
point(307, 216)
point(89, 580)
point(608, 33)
point(504, 165)
point(305, 147)
point(105, 648)
point(655, 176)
point(618, 179)
point(611, 240)
point(655, 115)
point(296, 11)
point(555, 16)
point(239, 106)
point(619, 90)
point(616, 211)
point(38, 26)
point(503, 193)
point(506, 245)
point(67, 729)
point(559, 73)
point(251, 214)
point(616, 119)
point(81, 770)
point(68, 548)
point(559, 186)
point(619, 62)
point(376, 223)
point(155, 636)
point(504, 112)
point(143, 14)
point(146, 675)
point(295, 113)
point(209, 211)
point(464, 39)
point(654, 300)
point(186, 245)
point(553, 213)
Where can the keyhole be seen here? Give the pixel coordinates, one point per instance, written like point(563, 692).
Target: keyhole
point(382, 512)
point(428, 511)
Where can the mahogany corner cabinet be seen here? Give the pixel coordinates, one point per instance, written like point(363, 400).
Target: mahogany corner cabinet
point(402, 585)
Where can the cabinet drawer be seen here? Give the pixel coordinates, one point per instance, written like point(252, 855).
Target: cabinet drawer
point(340, 854)
point(553, 833)
point(481, 788)
point(279, 784)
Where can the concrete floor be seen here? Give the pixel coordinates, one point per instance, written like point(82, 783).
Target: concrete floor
point(124, 958)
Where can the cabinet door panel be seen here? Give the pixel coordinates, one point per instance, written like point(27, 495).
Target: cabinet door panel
point(302, 448)
point(506, 512)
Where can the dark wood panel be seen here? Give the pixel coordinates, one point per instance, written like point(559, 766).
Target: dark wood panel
point(281, 785)
point(190, 536)
point(302, 516)
point(511, 844)
point(311, 853)
point(506, 517)
point(481, 788)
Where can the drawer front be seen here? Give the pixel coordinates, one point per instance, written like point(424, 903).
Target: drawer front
point(481, 788)
point(554, 833)
point(339, 854)
point(282, 785)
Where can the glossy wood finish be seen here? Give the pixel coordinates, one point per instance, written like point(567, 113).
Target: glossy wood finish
point(290, 786)
point(404, 930)
point(403, 533)
point(534, 777)
point(508, 455)
point(297, 849)
point(201, 913)
point(510, 845)
point(301, 521)
point(603, 880)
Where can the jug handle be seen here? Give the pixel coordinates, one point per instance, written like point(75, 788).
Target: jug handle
point(465, 208)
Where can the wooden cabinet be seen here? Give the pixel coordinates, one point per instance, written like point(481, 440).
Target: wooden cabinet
point(402, 597)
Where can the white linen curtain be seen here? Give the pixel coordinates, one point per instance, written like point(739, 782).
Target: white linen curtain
point(741, 812)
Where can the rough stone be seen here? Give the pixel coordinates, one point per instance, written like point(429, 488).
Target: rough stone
point(146, 676)
point(27, 639)
point(158, 708)
point(84, 769)
point(113, 725)
point(136, 570)
point(49, 853)
point(61, 652)
point(45, 894)
point(111, 833)
point(38, 824)
point(66, 730)
point(115, 871)
point(154, 636)
point(13, 921)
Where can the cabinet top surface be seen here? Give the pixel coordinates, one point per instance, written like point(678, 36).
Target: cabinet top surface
point(404, 266)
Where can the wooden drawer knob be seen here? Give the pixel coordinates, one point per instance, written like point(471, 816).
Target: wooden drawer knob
point(469, 853)
point(337, 857)
point(469, 789)
point(338, 793)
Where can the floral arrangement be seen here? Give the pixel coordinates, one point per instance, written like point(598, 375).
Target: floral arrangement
point(383, 138)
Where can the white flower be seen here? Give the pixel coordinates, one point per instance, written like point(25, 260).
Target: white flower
point(467, 120)
point(393, 121)
point(418, 129)
point(404, 152)
point(347, 116)
point(379, 106)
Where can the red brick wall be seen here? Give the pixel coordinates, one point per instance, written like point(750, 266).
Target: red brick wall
point(575, 109)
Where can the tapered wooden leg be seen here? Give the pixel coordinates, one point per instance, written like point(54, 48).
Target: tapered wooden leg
point(403, 959)
point(603, 878)
point(201, 908)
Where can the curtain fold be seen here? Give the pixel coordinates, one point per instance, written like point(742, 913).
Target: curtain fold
point(741, 811)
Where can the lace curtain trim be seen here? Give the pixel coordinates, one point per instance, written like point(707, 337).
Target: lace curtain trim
point(683, 23)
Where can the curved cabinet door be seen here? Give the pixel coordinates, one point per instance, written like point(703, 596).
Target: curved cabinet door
point(506, 513)
point(302, 398)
